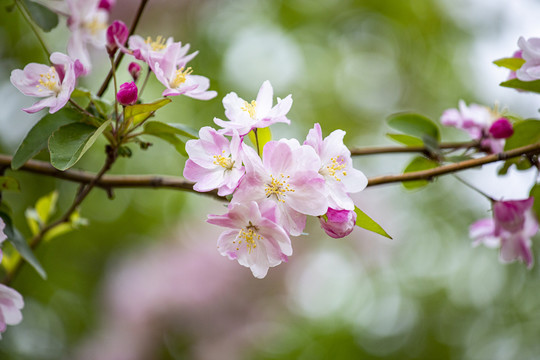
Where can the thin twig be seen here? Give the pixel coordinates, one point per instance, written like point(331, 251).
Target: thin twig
point(411, 149)
point(107, 80)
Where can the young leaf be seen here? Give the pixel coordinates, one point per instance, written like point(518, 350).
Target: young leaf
point(510, 63)
point(8, 183)
point(259, 137)
point(535, 192)
point(167, 133)
point(532, 86)
point(365, 222)
point(69, 143)
point(37, 137)
point(18, 241)
point(140, 112)
point(407, 140)
point(525, 133)
point(46, 206)
point(414, 124)
point(43, 17)
point(419, 163)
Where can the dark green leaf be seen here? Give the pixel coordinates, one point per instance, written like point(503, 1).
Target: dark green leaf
point(365, 222)
point(533, 86)
point(419, 163)
point(414, 124)
point(167, 133)
point(18, 241)
point(9, 183)
point(102, 106)
point(535, 192)
point(510, 63)
point(525, 133)
point(407, 140)
point(37, 137)
point(69, 143)
point(43, 17)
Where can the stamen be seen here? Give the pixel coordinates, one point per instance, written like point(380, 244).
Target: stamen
point(157, 45)
point(278, 187)
point(250, 108)
point(180, 77)
point(338, 164)
point(49, 81)
point(248, 235)
point(223, 161)
point(95, 26)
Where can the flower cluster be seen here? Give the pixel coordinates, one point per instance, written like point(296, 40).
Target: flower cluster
point(511, 228)
point(483, 124)
point(272, 194)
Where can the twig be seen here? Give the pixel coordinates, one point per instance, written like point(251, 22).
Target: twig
point(107, 80)
point(410, 149)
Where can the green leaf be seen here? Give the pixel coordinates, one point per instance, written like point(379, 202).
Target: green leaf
point(43, 17)
point(46, 206)
point(167, 133)
point(33, 220)
point(259, 137)
point(510, 63)
point(7, 183)
point(419, 163)
point(104, 108)
point(535, 192)
point(365, 222)
point(37, 137)
point(140, 112)
point(69, 143)
point(18, 241)
point(521, 163)
point(185, 130)
point(525, 133)
point(414, 124)
point(532, 86)
point(407, 140)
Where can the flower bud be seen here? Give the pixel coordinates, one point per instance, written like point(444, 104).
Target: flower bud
point(106, 4)
point(135, 70)
point(128, 93)
point(117, 34)
point(501, 129)
point(339, 223)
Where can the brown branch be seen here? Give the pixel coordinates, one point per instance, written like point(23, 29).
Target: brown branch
point(173, 182)
point(107, 80)
point(411, 149)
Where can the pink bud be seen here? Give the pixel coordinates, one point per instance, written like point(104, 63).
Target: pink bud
point(340, 223)
point(501, 129)
point(117, 34)
point(106, 4)
point(128, 93)
point(135, 70)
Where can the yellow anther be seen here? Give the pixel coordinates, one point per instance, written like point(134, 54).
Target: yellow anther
point(49, 81)
point(95, 25)
point(278, 187)
point(337, 164)
point(158, 44)
point(250, 108)
point(180, 77)
point(249, 236)
point(223, 161)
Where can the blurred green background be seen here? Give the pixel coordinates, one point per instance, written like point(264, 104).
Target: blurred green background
point(144, 281)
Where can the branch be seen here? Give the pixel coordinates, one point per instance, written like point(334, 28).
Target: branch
point(411, 149)
point(173, 182)
point(107, 80)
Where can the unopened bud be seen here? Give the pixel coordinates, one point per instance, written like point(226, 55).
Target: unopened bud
point(135, 70)
point(128, 94)
point(117, 34)
point(106, 4)
point(338, 223)
point(501, 129)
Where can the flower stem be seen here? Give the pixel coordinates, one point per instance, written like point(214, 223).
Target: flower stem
point(474, 188)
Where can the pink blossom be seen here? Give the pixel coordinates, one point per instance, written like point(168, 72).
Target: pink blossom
point(511, 228)
point(255, 239)
point(531, 54)
point(127, 94)
point(117, 35)
point(143, 49)
point(170, 70)
point(338, 223)
point(213, 162)
point(336, 167)
point(11, 303)
point(54, 83)
point(477, 121)
point(288, 177)
point(245, 116)
point(87, 23)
